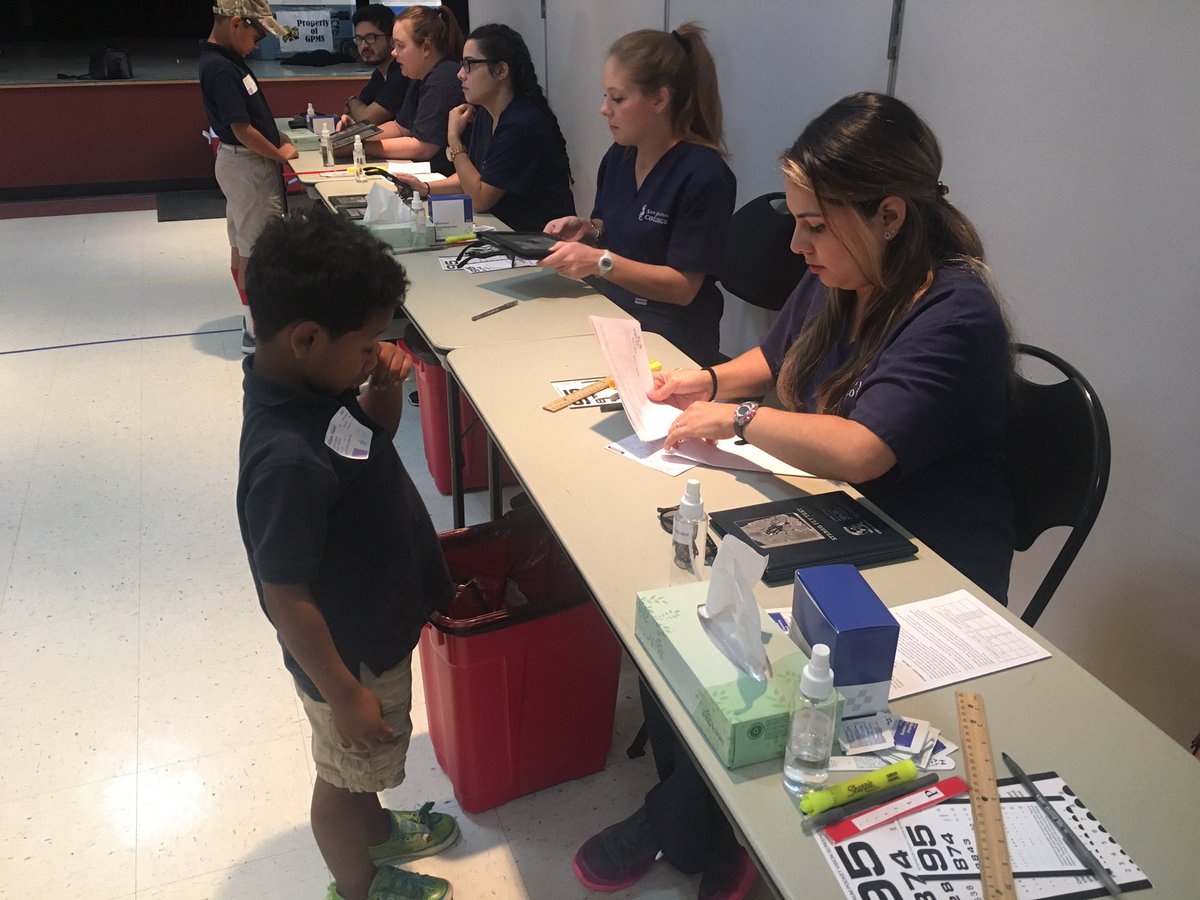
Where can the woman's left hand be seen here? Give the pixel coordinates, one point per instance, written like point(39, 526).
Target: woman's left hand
point(391, 367)
point(460, 117)
point(573, 259)
point(702, 421)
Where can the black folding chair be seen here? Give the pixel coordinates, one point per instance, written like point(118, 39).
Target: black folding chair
point(1057, 457)
point(759, 266)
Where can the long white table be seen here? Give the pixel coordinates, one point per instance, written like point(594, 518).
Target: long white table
point(1050, 715)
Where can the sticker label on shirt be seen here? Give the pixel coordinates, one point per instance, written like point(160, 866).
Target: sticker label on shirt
point(250, 85)
point(348, 437)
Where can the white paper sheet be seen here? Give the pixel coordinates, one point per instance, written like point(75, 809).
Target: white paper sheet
point(625, 353)
point(729, 454)
point(948, 639)
point(479, 265)
point(650, 453)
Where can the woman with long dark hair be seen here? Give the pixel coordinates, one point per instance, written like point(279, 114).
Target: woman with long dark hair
point(891, 359)
point(515, 164)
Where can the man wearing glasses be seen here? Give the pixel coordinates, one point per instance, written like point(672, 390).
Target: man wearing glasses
point(380, 99)
point(247, 166)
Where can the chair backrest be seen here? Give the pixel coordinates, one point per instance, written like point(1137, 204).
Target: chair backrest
point(1057, 457)
point(759, 266)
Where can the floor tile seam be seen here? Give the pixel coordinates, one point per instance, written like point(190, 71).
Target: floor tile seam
point(124, 340)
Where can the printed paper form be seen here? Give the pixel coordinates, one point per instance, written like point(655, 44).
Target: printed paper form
point(953, 638)
point(727, 454)
point(625, 353)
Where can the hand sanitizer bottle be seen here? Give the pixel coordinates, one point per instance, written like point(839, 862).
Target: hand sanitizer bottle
point(326, 145)
point(691, 525)
point(360, 159)
point(420, 232)
point(810, 740)
point(308, 115)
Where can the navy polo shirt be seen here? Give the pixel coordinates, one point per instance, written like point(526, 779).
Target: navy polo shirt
point(387, 92)
point(525, 158)
point(232, 94)
point(936, 395)
point(679, 217)
point(425, 112)
point(354, 530)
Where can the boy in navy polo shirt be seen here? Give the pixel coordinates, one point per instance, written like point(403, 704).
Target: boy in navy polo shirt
point(344, 557)
point(248, 160)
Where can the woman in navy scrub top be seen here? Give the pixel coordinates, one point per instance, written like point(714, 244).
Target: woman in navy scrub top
point(664, 195)
point(427, 43)
point(515, 164)
point(892, 361)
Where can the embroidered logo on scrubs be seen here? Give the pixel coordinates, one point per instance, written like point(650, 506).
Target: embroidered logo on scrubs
point(854, 389)
point(653, 215)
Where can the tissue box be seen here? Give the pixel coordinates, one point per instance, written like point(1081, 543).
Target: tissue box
point(834, 605)
point(451, 215)
point(398, 236)
point(745, 721)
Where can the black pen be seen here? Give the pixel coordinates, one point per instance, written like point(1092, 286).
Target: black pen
point(835, 815)
point(1077, 846)
point(495, 309)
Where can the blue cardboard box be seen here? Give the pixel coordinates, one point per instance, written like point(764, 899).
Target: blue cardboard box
point(834, 605)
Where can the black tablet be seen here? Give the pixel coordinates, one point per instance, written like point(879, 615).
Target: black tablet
point(522, 244)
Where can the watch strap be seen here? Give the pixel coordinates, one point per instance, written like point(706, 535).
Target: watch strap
point(742, 417)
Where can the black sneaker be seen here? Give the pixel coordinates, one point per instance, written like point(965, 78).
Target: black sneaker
point(247, 342)
point(618, 856)
point(414, 398)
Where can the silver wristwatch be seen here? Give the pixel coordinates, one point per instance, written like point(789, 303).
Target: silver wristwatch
point(604, 265)
point(742, 417)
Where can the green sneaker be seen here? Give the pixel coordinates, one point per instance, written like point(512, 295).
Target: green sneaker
point(415, 833)
point(391, 883)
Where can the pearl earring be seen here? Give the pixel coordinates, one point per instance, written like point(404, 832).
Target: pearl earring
point(887, 235)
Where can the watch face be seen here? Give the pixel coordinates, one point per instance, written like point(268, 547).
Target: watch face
point(606, 263)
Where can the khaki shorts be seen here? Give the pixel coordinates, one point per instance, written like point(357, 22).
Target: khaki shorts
point(378, 769)
point(253, 192)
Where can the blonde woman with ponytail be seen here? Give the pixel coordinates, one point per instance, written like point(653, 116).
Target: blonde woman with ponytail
point(891, 358)
point(664, 195)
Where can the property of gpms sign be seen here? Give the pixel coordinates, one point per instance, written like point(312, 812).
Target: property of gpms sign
point(306, 30)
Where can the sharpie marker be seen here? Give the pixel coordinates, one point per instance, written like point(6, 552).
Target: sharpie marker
point(835, 815)
point(864, 785)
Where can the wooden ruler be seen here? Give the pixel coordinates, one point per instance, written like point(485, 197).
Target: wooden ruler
point(567, 399)
point(994, 864)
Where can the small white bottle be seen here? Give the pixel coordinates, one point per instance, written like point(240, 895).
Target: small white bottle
point(420, 232)
point(691, 525)
point(810, 739)
point(309, 114)
point(360, 159)
point(326, 140)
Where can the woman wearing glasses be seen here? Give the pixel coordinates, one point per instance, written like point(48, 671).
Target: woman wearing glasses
point(427, 43)
point(384, 93)
point(515, 164)
point(664, 195)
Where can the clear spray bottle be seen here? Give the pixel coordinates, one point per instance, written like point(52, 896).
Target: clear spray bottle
point(359, 159)
point(690, 526)
point(814, 715)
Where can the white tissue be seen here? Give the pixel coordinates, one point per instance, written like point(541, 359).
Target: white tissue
point(384, 207)
point(730, 613)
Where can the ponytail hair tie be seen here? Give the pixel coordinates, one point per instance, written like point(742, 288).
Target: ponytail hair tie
point(683, 42)
point(942, 189)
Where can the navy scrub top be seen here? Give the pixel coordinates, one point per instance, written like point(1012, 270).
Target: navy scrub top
point(525, 158)
point(425, 112)
point(936, 395)
point(388, 93)
point(679, 217)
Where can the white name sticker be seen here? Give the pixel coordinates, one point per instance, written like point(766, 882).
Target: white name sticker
point(250, 85)
point(348, 437)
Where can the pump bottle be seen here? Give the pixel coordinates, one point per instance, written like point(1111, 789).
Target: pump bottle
point(810, 739)
point(691, 525)
point(308, 115)
point(359, 159)
point(326, 140)
point(420, 233)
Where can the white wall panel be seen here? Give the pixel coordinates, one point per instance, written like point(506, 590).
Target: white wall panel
point(523, 15)
point(1070, 131)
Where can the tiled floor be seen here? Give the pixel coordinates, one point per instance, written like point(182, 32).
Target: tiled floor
point(152, 745)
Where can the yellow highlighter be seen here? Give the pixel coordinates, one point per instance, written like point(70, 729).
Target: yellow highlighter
point(853, 788)
point(601, 385)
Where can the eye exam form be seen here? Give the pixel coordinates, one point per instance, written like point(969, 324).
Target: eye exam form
point(625, 353)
